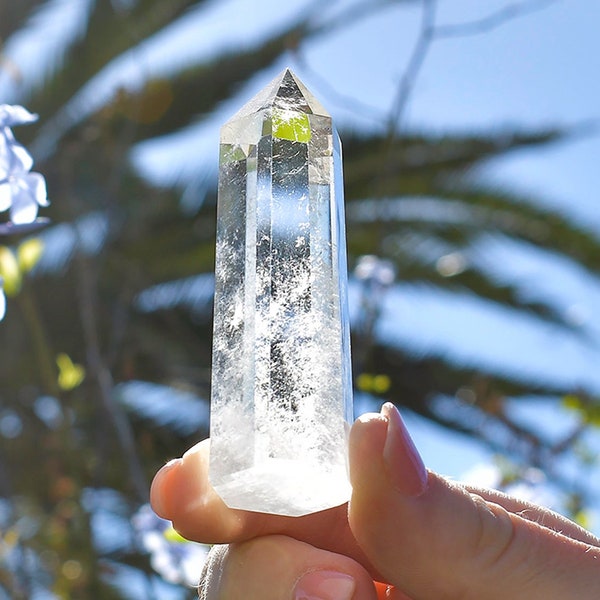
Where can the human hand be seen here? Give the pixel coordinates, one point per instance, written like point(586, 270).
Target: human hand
point(423, 537)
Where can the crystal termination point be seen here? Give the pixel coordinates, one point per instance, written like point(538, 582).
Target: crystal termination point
point(281, 376)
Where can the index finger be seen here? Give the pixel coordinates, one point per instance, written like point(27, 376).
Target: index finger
point(182, 494)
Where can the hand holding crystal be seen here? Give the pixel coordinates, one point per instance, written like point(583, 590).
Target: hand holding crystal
point(420, 535)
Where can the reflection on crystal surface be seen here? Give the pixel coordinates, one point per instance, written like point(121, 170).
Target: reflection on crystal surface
point(281, 390)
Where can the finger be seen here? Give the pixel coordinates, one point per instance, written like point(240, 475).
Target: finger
point(274, 567)
point(182, 494)
point(532, 512)
point(434, 539)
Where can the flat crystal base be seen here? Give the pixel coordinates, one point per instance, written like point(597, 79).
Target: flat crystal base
point(284, 487)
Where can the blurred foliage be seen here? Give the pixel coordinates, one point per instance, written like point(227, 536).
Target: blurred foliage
point(105, 350)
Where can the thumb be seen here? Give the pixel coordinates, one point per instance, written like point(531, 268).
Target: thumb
point(433, 539)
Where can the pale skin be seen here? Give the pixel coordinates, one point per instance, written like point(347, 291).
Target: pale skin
point(419, 535)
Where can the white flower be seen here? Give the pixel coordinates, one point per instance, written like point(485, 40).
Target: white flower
point(2, 302)
point(11, 115)
point(176, 560)
point(375, 271)
point(21, 192)
point(13, 156)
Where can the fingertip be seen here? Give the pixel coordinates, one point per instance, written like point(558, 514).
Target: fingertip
point(199, 448)
point(159, 490)
point(325, 585)
point(366, 418)
point(183, 494)
point(366, 442)
point(383, 439)
point(404, 465)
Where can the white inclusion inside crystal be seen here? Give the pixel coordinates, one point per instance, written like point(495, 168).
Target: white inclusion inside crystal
point(280, 398)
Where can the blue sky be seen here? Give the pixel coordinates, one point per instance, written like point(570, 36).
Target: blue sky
point(535, 70)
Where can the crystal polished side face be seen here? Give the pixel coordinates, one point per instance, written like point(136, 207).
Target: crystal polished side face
point(281, 380)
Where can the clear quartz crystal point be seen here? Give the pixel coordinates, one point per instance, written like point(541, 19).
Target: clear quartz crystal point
point(281, 375)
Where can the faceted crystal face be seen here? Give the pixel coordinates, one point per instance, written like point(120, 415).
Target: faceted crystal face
point(281, 387)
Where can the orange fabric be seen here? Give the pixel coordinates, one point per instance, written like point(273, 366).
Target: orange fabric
point(381, 590)
point(388, 592)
